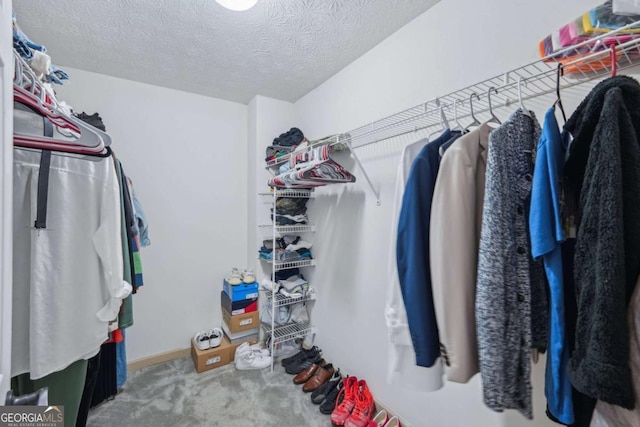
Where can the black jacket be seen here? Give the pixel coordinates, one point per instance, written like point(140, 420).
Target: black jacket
point(603, 171)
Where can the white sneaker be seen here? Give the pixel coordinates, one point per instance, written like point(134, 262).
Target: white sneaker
point(215, 337)
point(234, 278)
point(255, 348)
point(252, 360)
point(202, 340)
point(248, 276)
point(300, 244)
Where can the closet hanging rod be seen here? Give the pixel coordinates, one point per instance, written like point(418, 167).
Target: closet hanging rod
point(589, 60)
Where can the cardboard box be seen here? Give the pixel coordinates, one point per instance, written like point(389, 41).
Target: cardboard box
point(240, 337)
point(242, 291)
point(204, 360)
point(238, 307)
point(241, 322)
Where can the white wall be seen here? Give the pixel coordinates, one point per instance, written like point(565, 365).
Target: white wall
point(454, 44)
point(187, 157)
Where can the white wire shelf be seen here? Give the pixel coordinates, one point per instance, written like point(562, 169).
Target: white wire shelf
point(583, 62)
point(281, 230)
point(312, 144)
point(300, 193)
point(285, 265)
point(288, 332)
point(282, 300)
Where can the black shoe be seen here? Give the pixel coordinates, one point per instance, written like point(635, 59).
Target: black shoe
point(295, 358)
point(310, 359)
point(321, 393)
point(329, 403)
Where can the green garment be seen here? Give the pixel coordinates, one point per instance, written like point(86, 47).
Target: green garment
point(65, 388)
point(125, 318)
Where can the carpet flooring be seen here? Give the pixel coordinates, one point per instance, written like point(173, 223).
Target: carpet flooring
point(173, 394)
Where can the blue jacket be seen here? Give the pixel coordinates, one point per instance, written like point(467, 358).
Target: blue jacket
point(412, 251)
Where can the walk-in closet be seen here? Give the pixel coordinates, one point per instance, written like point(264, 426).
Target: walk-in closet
point(261, 213)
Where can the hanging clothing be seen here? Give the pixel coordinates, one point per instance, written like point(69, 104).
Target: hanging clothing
point(606, 414)
point(547, 234)
point(456, 216)
point(510, 290)
point(67, 282)
point(402, 367)
point(604, 171)
point(142, 226)
point(93, 367)
point(583, 405)
point(412, 252)
point(65, 388)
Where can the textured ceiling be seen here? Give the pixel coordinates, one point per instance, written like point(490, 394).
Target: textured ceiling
point(280, 48)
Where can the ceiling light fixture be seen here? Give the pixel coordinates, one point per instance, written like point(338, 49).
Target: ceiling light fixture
point(237, 5)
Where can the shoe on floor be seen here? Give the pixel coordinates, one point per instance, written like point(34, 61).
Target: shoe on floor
point(252, 360)
point(234, 278)
point(306, 375)
point(248, 276)
point(380, 420)
point(345, 402)
point(364, 407)
point(329, 403)
point(322, 375)
point(298, 356)
point(321, 393)
point(246, 347)
point(306, 362)
point(202, 340)
point(393, 422)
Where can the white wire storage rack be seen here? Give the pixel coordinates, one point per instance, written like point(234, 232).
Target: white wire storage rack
point(592, 59)
point(290, 331)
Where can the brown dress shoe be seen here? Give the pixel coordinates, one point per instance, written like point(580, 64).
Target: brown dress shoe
point(320, 377)
point(304, 376)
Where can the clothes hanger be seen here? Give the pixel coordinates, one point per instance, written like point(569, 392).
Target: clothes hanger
point(29, 91)
point(558, 99)
point(521, 81)
point(458, 126)
point(444, 123)
point(475, 121)
point(493, 118)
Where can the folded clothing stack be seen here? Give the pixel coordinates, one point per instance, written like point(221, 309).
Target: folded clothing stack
point(284, 144)
point(288, 248)
point(291, 211)
point(93, 119)
point(597, 21)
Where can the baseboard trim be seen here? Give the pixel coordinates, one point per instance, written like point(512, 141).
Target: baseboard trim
point(157, 359)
